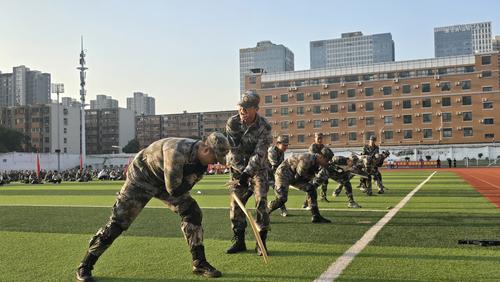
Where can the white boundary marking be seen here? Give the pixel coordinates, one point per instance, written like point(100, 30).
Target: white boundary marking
point(164, 207)
point(343, 261)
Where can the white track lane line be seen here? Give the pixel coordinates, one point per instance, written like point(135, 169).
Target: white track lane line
point(343, 261)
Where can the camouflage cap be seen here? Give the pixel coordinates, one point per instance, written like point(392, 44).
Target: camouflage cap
point(327, 153)
point(219, 144)
point(318, 134)
point(250, 100)
point(373, 138)
point(283, 139)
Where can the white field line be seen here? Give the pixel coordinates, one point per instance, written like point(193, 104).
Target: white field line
point(343, 261)
point(164, 207)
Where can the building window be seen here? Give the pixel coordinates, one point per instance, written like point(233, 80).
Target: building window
point(486, 73)
point(406, 89)
point(334, 108)
point(300, 111)
point(445, 86)
point(269, 112)
point(317, 110)
point(387, 90)
point(407, 119)
point(447, 133)
point(407, 134)
point(426, 87)
point(65, 121)
point(317, 123)
point(406, 104)
point(369, 121)
point(65, 130)
point(466, 84)
point(301, 124)
point(284, 124)
point(388, 135)
point(387, 120)
point(65, 140)
point(268, 99)
point(446, 117)
point(426, 103)
point(467, 116)
point(351, 121)
point(351, 93)
point(446, 102)
point(300, 97)
point(426, 118)
point(334, 123)
point(284, 98)
point(334, 137)
point(300, 138)
point(488, 121)
point(352, 136)
point(387, 105)
point(427, 133)
point(368, 91)
point(488, 105)
point(466, 100)
point(485, 60)
point(316, 96)
point(368, 106)
point(65, 150)
point(284, 111)
point(351, 107)
point(467, 131)
point(487, 89)
point(334, 94)
point(489, 135)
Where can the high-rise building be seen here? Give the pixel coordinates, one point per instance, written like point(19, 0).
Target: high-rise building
point(352, 49)
point(141, 104)
point(103, 102)
point(266, 55)
point(108, 130)
point(462, 39)
point(70, 102)
point(24, 87)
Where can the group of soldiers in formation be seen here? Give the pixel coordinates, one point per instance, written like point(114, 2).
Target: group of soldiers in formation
point(169, 168)
point(54, 176)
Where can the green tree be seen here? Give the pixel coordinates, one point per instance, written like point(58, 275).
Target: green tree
point(11, 140)
point(132, 146)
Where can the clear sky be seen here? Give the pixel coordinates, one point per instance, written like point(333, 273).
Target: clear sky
point(185, 53)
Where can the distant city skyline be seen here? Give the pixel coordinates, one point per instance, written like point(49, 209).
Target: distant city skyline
point(185, 53)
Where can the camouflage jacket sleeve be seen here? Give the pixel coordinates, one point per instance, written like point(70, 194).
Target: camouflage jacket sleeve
point(273, 157)
point(258, 158)
point(173, 164)
point(312, 149)
point(320, 177)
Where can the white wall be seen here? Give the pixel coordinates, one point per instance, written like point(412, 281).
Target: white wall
point(126, 126)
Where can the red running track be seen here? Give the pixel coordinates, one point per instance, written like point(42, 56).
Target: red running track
point(485, 180)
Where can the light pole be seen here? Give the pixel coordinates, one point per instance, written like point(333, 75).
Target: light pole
point(58, 88)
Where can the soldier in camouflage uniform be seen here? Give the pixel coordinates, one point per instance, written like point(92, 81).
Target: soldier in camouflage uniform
point(316, 148)
point(166, 170)
point(250, 136)
point(341, 170)
point(305, 172)
point(275, 156)
point(369, 151)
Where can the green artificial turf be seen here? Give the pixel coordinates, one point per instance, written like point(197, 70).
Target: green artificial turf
point(45, 229)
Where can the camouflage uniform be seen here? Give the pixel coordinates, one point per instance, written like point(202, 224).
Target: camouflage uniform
point(303, 172)
point(275, 157)
point(316, 149)
point(248, 155)
point(339, 172)
point(166, 170)
point(369, 152)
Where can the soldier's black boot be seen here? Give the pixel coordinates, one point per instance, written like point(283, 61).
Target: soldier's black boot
point(84, 270)
point(317, 218)
point(274, 205)
point(239, 243)
point(201, 265)
point(263, 237)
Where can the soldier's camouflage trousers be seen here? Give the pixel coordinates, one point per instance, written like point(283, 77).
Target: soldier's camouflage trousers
point(129, 203)
point(259, 185)
point(285, 178)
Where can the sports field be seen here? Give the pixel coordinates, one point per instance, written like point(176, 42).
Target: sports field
point(45, 229)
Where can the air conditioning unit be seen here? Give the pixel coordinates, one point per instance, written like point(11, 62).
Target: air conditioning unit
point(484, 99)
point(459, 128)
point(438, 101)
point(342, 91)
point(360, 83)
point(383, 131)
point(437, 84)
point(343, 133)
point(292, 88)
point(481, 121)
point(309, 121)
point(291, 135)
point(438, 114)
point(308, 109)
point(361, 118)
point(459, 100)
point(398, 116)
point(382, 117)
point(291, 110)
point(398, 131)
point(361, 90)
point(459, 113)
point(309, 134)
point(275, 110)
point(342, 84)
point(480, 75)
point(418, 129)
point(416, 86)
point(290, 96)
point(396, 80)
point(342, 107)
point(361, 106)
point(308, 94)
point(381, 89)
point(436, 77)
point(417, 114)
point(397, 103)
point(324, 93)
point(343, 118)
point(275, 97)
point(438, 129)
point(381, 104)
point(275, 122)
point(417, 102)
point(291, 122)
point(325, 86)
point(397, 87)
point(457, 83)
